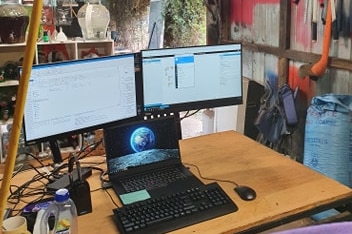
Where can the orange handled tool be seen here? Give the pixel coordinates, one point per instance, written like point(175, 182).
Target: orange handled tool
point(317, 70)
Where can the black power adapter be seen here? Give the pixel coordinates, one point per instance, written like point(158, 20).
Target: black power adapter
point(79, 189)
point(80, 194)
point(64, 181)
point(75, 182)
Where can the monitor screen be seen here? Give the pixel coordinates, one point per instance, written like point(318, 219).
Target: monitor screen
point(191, 78)
point(73, 97)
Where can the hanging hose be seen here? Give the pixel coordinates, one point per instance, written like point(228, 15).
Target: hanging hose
point(317, 70)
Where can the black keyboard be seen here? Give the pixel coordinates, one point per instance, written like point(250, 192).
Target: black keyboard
point(152, 180)
point(174, 211)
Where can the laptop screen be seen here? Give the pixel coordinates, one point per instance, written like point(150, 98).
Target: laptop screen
point(141, 143)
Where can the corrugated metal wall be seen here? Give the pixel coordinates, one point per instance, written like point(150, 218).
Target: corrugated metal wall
point(257, 22)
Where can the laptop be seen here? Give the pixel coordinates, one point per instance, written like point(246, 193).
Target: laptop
point(144, 160)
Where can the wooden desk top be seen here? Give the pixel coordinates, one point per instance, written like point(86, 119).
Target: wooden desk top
point(284, 187)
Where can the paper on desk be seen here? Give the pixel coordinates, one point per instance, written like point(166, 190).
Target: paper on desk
point(129, 198)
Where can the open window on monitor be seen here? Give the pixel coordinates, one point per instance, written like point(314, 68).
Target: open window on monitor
point(76, 97)
point(191, 78)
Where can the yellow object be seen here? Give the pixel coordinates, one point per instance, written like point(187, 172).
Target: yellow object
point(63, 224)
point(15, 225)
point(20, 102)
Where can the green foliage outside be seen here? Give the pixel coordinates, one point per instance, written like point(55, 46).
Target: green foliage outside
point(185, 23)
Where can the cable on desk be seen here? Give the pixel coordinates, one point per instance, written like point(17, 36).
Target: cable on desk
point(20, 193)
point(188, 114)
point(112, 200)
point(21, 165)
point(35, 158)
point(105, 184)
point(25, 192)
point(88, 149)
point(212, 179)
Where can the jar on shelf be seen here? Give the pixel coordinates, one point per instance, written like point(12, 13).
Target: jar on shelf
point(93, 18)
point(14, 20)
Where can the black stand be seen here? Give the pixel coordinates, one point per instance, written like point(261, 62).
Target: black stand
point(55, 151)
point(151, 35)
point(178, 124)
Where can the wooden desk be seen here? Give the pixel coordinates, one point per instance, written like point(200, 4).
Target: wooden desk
point(286, 190)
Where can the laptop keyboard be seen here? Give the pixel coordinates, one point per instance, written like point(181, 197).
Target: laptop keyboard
point(153, 179)
point(174, 211)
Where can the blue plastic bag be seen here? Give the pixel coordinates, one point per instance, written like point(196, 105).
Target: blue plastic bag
point(328, 137)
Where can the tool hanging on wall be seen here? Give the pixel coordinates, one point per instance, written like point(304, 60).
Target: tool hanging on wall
point(339, 22)
point(315, 20)
point(307, 10)
point(323, 6)
point(317, 70)
point(335, 31)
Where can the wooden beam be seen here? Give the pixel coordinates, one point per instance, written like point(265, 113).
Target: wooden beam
point(283, 71)
point(225, 22)
point(298, 56)
point(285, 24)
point(284, 40)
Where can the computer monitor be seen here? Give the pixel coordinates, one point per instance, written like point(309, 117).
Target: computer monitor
point(191, 78)
point(75, 97)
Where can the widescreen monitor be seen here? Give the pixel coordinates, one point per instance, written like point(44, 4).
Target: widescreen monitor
point(74, 97)
point(191, 78)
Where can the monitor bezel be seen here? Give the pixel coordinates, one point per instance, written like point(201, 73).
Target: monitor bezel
point(63, 135)
point(197, 105)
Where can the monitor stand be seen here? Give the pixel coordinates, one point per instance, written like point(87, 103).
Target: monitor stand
point(178, 124)
point(55, 152)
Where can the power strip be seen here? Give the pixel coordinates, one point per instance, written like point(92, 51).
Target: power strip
point(64, 181)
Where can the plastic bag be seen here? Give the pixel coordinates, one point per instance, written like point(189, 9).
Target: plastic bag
point(328, 137)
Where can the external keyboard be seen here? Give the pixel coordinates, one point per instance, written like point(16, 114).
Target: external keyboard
point(174, 211)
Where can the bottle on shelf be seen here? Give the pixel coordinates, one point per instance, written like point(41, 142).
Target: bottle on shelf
point(65, 213)
point(14, 19)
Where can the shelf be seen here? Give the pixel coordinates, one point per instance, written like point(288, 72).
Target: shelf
point(13, 45)
point(9, 83)
point(74, 49)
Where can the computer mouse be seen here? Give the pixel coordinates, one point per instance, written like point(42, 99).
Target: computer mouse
point(245, 192)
